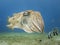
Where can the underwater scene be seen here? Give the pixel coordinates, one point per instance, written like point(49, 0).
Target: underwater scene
point(29, 22)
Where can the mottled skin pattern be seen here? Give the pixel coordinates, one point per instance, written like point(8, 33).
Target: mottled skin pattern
point(30, 21)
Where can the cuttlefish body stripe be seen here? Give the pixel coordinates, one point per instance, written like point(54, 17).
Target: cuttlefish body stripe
point(40, 23)
point(30, 29)
point(33, 28)
point(27, 29)
point(40, 20)
point(36, 24)
point(38, 28)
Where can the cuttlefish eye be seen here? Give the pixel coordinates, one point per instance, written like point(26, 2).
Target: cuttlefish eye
point(26, 13)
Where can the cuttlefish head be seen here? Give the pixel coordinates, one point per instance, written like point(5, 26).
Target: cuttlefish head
point(16, 19)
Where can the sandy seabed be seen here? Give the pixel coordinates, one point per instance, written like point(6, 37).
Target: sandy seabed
point(28, 39)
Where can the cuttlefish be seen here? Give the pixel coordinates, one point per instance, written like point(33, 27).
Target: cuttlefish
point(29, 20)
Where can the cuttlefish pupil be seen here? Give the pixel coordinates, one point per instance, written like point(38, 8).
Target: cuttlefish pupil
point(26, 13)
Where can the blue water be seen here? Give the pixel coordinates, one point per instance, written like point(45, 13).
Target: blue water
point(50, 11)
